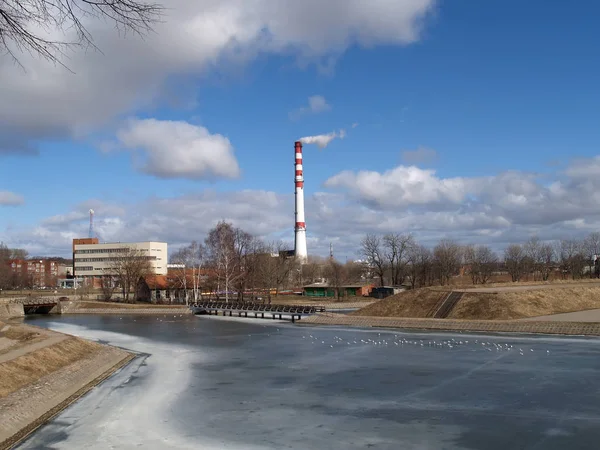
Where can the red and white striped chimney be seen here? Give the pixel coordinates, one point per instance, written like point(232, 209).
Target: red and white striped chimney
point(300, 227)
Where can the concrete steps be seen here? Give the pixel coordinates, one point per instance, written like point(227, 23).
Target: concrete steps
point(448, 305)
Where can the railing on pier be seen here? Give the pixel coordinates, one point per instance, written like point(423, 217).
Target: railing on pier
point(256, 310)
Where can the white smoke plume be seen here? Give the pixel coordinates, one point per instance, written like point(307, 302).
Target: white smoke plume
point(323, 140)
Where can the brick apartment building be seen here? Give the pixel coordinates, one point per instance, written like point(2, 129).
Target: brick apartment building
point(37, 273)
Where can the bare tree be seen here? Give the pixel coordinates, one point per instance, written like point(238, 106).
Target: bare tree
point(189, 277)
point(227, 248)
point(514, 260)
point(372, 251)
point(313, 270)
point(337, 275)
point(396, 248)
point(546, 260)
point(127, 267)
point(592, 251)
point(486, 262)
point(25, 25)
point(533, 255)
point(243, 248)
point(570, 253)
point(220, 244)
point(19, 253)
point(482, 261)
point(9, 278)
point(420, 267)
point(355, 271)
point(447, 257)
point(108, 286)
point(253, 259)
point(5, 270)
point(275, 268)
point(469, 256)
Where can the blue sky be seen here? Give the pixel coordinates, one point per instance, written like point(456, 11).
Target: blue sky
point(485, 87)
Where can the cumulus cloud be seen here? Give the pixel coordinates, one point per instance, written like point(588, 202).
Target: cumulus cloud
point(48, 101)
point(421, 155)
point(402, 186)
point(316, 104)
point(8, 198)
point(177, 149)
point(323, 140)
point(496, 210)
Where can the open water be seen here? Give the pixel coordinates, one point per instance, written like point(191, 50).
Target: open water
point(214, 383)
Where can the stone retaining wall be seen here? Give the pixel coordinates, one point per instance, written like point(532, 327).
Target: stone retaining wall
point(488, 326)
point(8, 311)
point(163, 311)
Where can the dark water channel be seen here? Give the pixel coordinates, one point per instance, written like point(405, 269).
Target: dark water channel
point(205, 382)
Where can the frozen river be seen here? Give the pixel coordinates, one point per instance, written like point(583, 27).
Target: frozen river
point(211, 383)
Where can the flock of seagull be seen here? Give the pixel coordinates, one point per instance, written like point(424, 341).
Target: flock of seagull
point(399, 341)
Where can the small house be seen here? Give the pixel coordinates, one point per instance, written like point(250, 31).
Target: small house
point(386, 291)
point(347, 290)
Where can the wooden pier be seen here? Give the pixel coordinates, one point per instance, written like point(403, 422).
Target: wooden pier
point(255, 310)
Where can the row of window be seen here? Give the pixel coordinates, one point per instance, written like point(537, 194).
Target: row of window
point(109, 259)
point(79, 269)
point(115, 250)
point(103, 250)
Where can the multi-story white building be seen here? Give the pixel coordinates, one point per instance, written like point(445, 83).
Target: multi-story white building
point(92, 260)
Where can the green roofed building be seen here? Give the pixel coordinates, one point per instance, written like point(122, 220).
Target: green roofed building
point(348, 290)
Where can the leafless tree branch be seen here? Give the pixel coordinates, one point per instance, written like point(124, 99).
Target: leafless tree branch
point(27, 25)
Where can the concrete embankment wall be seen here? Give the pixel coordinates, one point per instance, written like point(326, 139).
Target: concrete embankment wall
point(10, 310)
point(75, 308)
point(488, 326)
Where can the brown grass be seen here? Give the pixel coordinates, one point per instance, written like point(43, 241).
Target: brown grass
point(556, 282)
point(27, 369)
point(522, 304)
point(18, 334)
point(413, 303)
point(488, 305)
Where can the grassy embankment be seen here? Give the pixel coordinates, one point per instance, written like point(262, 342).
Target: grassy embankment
point(30, 366)
point(488, 305)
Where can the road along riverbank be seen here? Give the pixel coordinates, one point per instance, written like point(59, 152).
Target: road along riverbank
point(42, 372)
point(493, 326)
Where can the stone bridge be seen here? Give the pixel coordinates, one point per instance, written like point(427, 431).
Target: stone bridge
point(31, 304)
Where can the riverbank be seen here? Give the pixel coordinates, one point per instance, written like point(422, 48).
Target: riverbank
point(42, 372)
point(486, 326)
point(89, 307)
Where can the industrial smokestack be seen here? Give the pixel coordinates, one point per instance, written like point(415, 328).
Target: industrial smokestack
point(300, 228)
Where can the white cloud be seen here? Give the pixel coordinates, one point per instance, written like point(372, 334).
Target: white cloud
point(505, 208)
point(421, 155)
point(323, 140)
point(316, 104)
point(583, 168)
point(176, 149)
point(131, 74)
point(8, 198)
point(402, 186)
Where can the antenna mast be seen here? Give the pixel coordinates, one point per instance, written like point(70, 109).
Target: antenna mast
point(91, 232)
